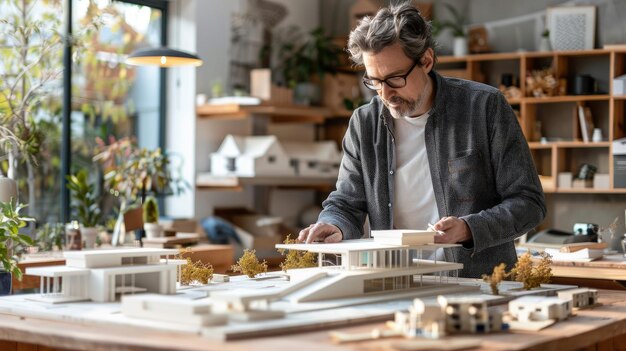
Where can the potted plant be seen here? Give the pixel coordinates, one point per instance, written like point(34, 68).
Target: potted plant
point(10, 224)
point(151, 218)
point(86, 207)
point(544, 44)
point(301, 65)
point(132, 172)
point(456, 25)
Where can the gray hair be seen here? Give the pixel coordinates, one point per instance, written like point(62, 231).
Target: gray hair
point(402, 24)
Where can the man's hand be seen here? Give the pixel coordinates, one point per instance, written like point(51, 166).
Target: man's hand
point(320, 232)
point(455, 231)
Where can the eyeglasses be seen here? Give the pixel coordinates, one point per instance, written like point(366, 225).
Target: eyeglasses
point(394, 82)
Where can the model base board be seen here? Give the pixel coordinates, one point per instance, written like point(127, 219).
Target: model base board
point(297, 316)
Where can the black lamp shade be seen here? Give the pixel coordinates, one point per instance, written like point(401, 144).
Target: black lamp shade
point(162, 57)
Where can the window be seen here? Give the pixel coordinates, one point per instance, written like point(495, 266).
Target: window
point(108, 98)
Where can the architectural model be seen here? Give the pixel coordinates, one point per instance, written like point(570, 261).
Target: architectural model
point(448, 315)
point(104, 275)
point(354, 280)
point(250, 156)
point(538, 312)
point(581, 298)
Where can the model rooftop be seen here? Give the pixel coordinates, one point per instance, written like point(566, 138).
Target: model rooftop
point(358, 245)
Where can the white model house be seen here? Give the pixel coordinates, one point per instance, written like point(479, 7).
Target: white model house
point(250, 156)
point(581, 297)
point(103, 275)
point(314, 159)
point(540, 308)
point(424, 318)
point(448, 315)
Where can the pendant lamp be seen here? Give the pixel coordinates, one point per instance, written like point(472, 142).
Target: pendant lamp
point(163, 57)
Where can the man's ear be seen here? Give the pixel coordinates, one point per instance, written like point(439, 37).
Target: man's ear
point(428, 60)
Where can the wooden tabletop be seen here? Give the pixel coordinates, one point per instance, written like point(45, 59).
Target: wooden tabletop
point(603, 328)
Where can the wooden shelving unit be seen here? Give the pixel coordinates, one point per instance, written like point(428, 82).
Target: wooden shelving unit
point(557, 113)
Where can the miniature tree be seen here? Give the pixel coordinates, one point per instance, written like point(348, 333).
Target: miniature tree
point(194, 271)
point(295, 258)
point(150, 210)
point(249, 264)
point(499, 274)
point(532, 277)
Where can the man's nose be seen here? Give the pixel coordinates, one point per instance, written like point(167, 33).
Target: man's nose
point(385, 91)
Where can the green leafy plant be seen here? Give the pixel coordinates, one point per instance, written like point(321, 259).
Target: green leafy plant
point(150, 210)
point(132, 172)
point(546, 33)
point(84, 199)
point(50, 237)
point(10, 224)
point(456, 24)
point(317, 56)
point(249, 264)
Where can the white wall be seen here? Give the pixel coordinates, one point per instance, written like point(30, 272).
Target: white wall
point(213, 22)
point(181, 116)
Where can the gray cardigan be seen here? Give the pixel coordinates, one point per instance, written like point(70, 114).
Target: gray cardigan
point(480, 164)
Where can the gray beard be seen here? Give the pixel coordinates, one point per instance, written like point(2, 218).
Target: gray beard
point(407, 108)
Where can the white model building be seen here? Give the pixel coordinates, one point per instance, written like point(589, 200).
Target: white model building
point(250, 156)
point(314, 159)
point(424, 319)
point(540, 308)
point(449, 315)
point(197, 313)
point(581, 297)
point(103, 275)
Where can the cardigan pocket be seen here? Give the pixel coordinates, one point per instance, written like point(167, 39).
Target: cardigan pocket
point(468, 181)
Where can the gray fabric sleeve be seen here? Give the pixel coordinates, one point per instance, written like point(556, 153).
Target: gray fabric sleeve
point(517, 182)
point(346, 207)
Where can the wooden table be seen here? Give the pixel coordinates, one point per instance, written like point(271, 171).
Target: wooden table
point(606, 273)
point(602, 328)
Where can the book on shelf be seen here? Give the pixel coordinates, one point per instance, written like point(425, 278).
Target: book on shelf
point(586, 123)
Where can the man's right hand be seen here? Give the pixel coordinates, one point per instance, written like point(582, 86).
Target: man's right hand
point(320, 232)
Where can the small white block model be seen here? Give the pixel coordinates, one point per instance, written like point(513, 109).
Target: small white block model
point(581, 297)
point(220, 278)
point(250, 156)
point(314, 159)
point(170, 309)
point(404, 237)
point(470, 315)
point(540, 308)
point(102, 275)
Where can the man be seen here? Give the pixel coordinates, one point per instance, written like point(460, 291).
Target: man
point(430, 149)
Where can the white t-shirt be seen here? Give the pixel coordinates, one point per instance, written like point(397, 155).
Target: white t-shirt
point(414, 197)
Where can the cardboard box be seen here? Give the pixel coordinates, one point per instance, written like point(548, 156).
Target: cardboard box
point(619, 85)
point(261, 86)
point(565, 180)
point(582, 183)
point(601, 181)
point(181, 225)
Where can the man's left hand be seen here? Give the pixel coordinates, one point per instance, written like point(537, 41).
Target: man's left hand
point(454, 230)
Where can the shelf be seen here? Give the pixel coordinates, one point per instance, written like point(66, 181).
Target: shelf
point(208, 182)
point(308, 114)
point(565, 98)
point(495, 56)
point(568, 144)
point(619, 97)
point(584, 191)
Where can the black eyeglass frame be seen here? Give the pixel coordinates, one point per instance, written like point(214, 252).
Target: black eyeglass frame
point(367, 81)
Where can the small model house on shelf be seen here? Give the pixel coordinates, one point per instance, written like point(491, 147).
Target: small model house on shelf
point(314, 159)
point(253, 156)
point(250, 156)
point(581, 297)
point(104, 275)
